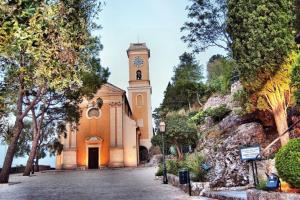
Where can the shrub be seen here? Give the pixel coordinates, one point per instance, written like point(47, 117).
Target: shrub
point(262, 185)
point(159, 170)
point(193, 162)
point(216, 113)
point(199, 117)
point(172, 167)
point(288, 162)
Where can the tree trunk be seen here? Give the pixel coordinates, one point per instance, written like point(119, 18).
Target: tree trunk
point(198, 99)
point(35, 143)
point(37, 160)
point(4, 175)
point(280, 117)
point(18, 127)
point(179, 152)
point(190, 107)
point(32, 155)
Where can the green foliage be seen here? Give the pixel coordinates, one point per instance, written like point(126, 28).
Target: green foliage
point(193, 163)
point(220, 74)
point(186, 87)
point(23, 145)
point(207, 26)
point(287, 162)
point(296, 79)
point(179, 131)
point(159, 170)
point(156, 140)
point(262, 35)
point(216, 113)
point(262, 185)
point(199, 117)
point(297, 11)
point(172, 166)
point(242, 97)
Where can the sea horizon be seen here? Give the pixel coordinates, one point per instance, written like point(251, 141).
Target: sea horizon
point(48, 160)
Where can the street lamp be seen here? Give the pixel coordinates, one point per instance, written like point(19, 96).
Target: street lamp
point(162, 129)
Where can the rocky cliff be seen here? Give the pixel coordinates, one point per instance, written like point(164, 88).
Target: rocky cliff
point(220, 143)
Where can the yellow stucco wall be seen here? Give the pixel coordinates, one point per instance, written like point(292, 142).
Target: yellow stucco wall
point(93, 127)
point(144, 68)
point(141, 112)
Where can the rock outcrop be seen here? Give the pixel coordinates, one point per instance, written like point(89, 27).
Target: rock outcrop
point(221, 142)
point(221, 146)
point(219, 99)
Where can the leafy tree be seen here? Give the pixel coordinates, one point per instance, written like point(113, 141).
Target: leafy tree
point(263, 44)
point(23, 146)
point(187, 70)
point(207, 26)
point(44, 46)
point(297, 21)
point(296, 80)
point(186, 87)
point(156, 140)
point(220, 73)
point(179, 132)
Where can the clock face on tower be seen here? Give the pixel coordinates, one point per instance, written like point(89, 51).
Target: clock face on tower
point(138, 61)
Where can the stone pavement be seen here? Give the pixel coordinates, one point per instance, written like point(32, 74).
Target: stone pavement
point(106, 184)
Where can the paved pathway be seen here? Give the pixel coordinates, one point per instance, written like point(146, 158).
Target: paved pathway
point(118, 184)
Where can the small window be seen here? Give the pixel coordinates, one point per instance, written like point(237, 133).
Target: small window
point(138, 75)
point(93, 113)
point(139, 100)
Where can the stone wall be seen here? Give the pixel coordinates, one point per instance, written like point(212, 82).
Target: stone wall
point(264, 195)
point(20, 169)
point(197, 188)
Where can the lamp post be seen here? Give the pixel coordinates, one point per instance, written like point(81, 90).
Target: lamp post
point(162, 129)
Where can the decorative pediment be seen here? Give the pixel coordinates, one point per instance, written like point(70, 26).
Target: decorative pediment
point(110, 89)
point(94, 139)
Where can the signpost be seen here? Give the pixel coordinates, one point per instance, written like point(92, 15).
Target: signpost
point(251, 154)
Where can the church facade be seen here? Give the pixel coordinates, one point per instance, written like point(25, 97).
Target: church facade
point(118, 132)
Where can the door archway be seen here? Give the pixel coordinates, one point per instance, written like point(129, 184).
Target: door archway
point(93, 152)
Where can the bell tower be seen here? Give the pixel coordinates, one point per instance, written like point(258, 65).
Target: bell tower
point(139, 91)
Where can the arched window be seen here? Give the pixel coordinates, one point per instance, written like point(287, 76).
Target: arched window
point(138, 75)
point(139, 100)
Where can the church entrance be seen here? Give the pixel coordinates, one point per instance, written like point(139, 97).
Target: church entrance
point(93, 158)
point(144, 155)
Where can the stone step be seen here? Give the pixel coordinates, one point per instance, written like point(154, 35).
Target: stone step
point(226, 195)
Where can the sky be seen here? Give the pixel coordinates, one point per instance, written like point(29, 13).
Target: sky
point(155, 22)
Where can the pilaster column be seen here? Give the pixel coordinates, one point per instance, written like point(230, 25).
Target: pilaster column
point(116, 124)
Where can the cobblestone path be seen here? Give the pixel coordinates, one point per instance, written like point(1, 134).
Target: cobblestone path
point(117, 184)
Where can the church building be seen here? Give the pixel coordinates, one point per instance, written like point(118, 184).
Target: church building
point(118, 132)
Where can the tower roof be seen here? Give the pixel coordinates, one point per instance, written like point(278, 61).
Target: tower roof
point(138, 46)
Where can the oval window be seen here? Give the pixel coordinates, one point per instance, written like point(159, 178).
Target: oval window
point(93, 112)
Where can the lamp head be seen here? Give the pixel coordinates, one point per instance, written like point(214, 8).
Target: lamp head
point(162, 127)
